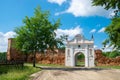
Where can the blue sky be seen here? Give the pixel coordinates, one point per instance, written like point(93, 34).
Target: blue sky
point(77, 16)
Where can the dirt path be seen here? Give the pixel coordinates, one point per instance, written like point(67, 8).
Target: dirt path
point(77, 75)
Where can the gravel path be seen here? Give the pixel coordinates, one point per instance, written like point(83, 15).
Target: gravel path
point(111, 74)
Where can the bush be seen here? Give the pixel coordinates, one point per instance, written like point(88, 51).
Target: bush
point(3, 55)
point(112, 54)
point(106, 54)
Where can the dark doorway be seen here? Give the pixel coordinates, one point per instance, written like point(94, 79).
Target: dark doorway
point(80, 60)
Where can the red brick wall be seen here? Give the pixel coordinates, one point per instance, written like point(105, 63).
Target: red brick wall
point(50, 57)
point(102, 60)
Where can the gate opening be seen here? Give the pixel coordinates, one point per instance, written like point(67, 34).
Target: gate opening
point(80, 60)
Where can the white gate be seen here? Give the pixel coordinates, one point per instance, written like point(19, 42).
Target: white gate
point(77, 45)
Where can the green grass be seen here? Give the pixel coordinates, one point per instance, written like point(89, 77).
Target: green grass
point(12, 73)
point(109, 67)
point(49, 65)
point(80, 63)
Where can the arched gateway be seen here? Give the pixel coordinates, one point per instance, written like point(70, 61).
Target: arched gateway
point(79, 45)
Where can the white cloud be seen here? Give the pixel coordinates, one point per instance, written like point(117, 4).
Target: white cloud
point(108, 49)
point(111, 14)
point(59, 13)
point(95, 46)
point(85, 8)
point(59, 2)
point(70, 32)
point(4, 40)
point(101, 30)
point(93, 31)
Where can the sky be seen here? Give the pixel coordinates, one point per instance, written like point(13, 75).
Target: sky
point(77, 17)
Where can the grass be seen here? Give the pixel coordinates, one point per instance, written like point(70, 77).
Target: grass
point(49, 65)
point(80, 63)
point(12, 73)
point(108, 67)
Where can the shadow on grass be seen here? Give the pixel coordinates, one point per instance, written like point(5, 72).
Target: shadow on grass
point(71, 68)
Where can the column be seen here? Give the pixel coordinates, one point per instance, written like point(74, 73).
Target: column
point(91, 58)
point(66, 63)
point(72, 57)
point(86, 58)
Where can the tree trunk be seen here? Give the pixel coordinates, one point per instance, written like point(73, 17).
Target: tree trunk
point(34, 58)
point(26, 57)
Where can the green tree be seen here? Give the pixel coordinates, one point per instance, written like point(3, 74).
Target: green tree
point(37, 33)
point(3, 56)
point(114, 4)
point(112, 30)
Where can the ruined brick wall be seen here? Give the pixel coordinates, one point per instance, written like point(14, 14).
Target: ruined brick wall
point(55, 57)
point(102, 60)
point(50, 57)
point(12, 53)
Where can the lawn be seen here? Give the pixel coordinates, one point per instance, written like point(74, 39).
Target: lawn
point(108, 67)
point(80, 64)
point(12, 73)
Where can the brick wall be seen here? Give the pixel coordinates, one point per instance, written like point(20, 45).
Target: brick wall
point(102, 60)
point(50, 57)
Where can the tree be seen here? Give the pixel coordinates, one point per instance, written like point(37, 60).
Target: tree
point(37, 33)
point(114, 4)
point(112, 30)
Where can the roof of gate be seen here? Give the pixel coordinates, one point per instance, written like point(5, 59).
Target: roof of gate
point(80, 39)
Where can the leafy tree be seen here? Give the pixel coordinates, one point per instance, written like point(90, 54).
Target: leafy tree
point(106, 54)
point(37, 33)
point(113, 30)
point(112, 54)
point(62, 39)
point(107, 3)
point(3, 55)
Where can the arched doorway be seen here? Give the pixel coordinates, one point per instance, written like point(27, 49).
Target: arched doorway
point(79, 45)
point(80, 59)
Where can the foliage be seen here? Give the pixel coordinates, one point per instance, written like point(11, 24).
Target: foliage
point(80, 57)
point(113, 31)
point(106, 54)
point(62, 39)
point(37, 34)
point(112, 54)
point(12, 73)
point(3, 55)
point(107, 3)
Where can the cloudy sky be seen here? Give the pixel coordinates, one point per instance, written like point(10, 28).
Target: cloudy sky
point(77, 17)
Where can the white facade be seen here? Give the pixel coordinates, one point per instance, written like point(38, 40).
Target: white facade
point(79, 45)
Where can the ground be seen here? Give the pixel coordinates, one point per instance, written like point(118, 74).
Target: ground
point(77, 74)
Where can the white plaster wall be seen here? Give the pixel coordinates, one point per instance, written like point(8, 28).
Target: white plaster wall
point(74, 49)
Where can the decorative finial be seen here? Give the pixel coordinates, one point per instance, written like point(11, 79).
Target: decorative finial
point(92, 37)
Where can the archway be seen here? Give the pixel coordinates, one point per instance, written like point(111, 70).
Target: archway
point(79, 45)
point(80, 59)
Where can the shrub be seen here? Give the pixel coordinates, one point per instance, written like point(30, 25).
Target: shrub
point(3, 55)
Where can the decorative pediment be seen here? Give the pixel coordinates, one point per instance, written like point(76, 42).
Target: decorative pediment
point(79, 38)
